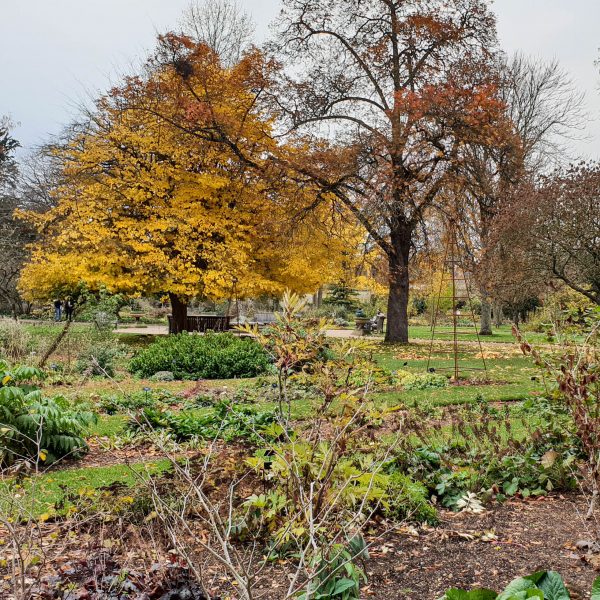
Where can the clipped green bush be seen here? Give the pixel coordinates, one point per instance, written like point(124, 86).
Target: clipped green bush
point(209, 356)
point(408, 500)
point(33, 427)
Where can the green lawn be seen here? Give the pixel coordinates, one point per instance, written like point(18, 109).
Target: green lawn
point(501, 334)
point(44, 492)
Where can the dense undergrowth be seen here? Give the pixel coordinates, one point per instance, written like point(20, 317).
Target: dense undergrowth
point(331, 445)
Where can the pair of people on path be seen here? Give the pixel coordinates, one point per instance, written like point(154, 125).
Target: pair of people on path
point(69, 307)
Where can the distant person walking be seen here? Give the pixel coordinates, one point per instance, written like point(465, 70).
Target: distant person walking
point(69, 308)
point(57, 309)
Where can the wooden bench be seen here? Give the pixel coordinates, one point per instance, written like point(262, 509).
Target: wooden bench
point(264, 318)
point(203, 323)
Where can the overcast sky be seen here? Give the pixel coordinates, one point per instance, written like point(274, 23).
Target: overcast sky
point(55, 52)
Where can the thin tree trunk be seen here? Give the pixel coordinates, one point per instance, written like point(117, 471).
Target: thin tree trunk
point(397, 308)
point(485, 325)
point(179, 314)
point(55, 344)
point(498, 314)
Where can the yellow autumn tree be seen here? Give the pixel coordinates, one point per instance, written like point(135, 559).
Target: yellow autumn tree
point(147, 208)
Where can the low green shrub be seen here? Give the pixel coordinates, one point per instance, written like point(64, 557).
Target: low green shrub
point(99, 360)
point(338, 575)
point(420, 381)
point(545, 585)
point(210, 356)
point(226, 421)
point(113, 404)
point(36, 428)
point(450, 471)
point(407, 499)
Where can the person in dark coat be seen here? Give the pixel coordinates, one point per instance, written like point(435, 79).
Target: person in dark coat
point(69, 308)
point(58, 309)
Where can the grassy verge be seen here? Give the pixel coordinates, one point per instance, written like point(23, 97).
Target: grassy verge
point(55, 491)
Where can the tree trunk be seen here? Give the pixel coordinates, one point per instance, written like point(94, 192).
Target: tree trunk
point(179, 313)
point(485, 327)
point(54, 345)
point(498, 314)
point(397, 308)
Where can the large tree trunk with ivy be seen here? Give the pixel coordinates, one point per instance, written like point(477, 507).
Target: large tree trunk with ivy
point(397, 308)
point(179, 314)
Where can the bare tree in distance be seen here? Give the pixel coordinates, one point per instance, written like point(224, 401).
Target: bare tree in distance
point(546, 111)
point(546, 108)
point(551, 229)
point(27, 184)
point(222, 25)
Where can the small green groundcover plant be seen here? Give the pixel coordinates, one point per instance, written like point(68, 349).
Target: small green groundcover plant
point(209, 356)
point(544, 585)
point(226, 421)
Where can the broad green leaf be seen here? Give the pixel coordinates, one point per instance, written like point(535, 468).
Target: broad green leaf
point(553, 587)
point(455, 594)
point(342, 585)
point(482, 595)
point(596, 589)
point(510, 488)
point(516, 586)
point(527, 594)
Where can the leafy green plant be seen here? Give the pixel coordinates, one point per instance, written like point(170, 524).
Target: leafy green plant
point(575, 371)
point(210, 356)
point(408, 500)
point(545, 585)
point(33, 427)
point(112, 404)
point(352, 482)
point(99, 359)
point(420, 381)
point(226, 421)
point(337, 577)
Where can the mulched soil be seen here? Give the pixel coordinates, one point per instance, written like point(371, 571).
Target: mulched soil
point(486, 550)
point(465, 551)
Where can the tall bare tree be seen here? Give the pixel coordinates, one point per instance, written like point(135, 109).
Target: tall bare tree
point(28, 184)
point(390, 91)
point(222, 25)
